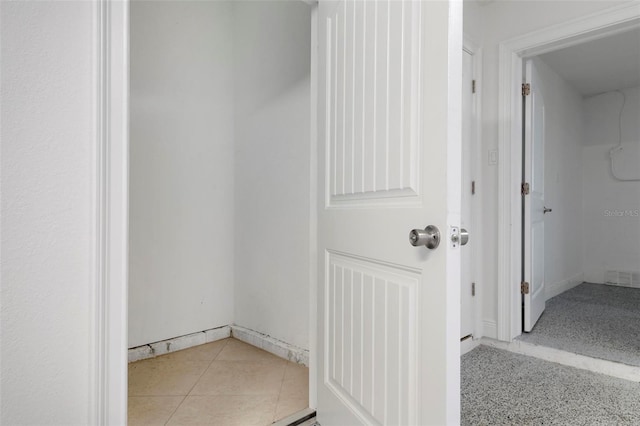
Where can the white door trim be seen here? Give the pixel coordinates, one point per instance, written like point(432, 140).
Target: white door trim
point(313, 213)
point(512, 52)
point(476, 160)
point(108, 365)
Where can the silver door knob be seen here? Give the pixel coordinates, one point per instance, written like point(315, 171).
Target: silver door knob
point(546, 210)
point(428, 237)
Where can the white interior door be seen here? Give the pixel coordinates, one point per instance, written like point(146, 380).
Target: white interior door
point(534, 297)
point(467, 289)
point(389, 120)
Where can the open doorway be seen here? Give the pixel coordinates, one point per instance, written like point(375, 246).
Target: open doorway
point(512, 61)
point(221, 222)
point(566, 192)
point(583, 166)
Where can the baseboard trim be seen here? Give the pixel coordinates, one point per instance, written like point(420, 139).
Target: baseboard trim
point(468, 345)
point(254, 338)
point(554, 290)
point(489, 329)
point(570, 359)
point(270, 344)
point(178, 343)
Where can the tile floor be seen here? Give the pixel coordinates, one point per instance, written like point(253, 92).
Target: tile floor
point(227, 382)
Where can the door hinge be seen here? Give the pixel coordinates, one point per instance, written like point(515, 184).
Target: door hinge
point(473, 86)
point(473, 187)
point(526, 89)
point(524, 287)
point(524, 189)
point(473, 289)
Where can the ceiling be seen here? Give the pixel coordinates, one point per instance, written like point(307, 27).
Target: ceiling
point(600, 65)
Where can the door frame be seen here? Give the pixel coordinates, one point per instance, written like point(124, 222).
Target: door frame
point(313, 210)
point(512, 54)
point(469, 46)
point(110, 214)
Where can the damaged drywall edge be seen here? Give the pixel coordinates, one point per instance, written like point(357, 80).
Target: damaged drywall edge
point(277, 347)
point(178, 343)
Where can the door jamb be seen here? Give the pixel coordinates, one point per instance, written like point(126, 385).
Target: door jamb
point(313, 213)
point(476, 220)
point(512, 52)
point(108, 359)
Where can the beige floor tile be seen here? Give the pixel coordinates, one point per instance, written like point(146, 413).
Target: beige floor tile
point(226, 410)
point(151, 410)
point(241, 378)
point(164, 376)
point(296, 372)
point(174, 373)
point(235, 350)
point(296, 382)
point(288, 406)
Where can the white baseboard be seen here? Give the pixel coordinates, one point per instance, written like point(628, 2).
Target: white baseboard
point(489, 329)
point(570, 359)
point(178, 343)
point(254, 338)
point(560, 287)
point(468, 345)
point(269, 344)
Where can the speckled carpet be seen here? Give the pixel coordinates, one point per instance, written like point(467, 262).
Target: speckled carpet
point(503, 388)
point(595, 320)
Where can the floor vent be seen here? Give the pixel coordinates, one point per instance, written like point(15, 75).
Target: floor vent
point(622, 278)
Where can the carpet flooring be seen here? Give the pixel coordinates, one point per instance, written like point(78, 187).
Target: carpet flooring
point(594, 320)
point(503, 388)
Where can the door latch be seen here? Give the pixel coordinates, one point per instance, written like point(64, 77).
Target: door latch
point(458, 236)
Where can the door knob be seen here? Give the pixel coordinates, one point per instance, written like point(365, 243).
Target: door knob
point(428, 237)
point(546, 210)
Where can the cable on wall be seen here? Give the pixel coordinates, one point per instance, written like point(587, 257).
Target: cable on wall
point(619, 147)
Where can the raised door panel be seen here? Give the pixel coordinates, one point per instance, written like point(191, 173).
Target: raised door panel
point(372, 103)
point(370, 332)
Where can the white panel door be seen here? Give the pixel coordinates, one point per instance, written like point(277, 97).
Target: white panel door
point(534, 299)
point(389, 118)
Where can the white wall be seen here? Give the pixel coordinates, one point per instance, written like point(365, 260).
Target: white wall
point(473, 25)
point(564, 136)
point(182, 177)
point(501, 21)
point(272, 64)
point(47, 111)
point(219, 230)
point(612, 240)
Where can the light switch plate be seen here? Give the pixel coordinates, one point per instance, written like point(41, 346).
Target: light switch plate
point(493, 157)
